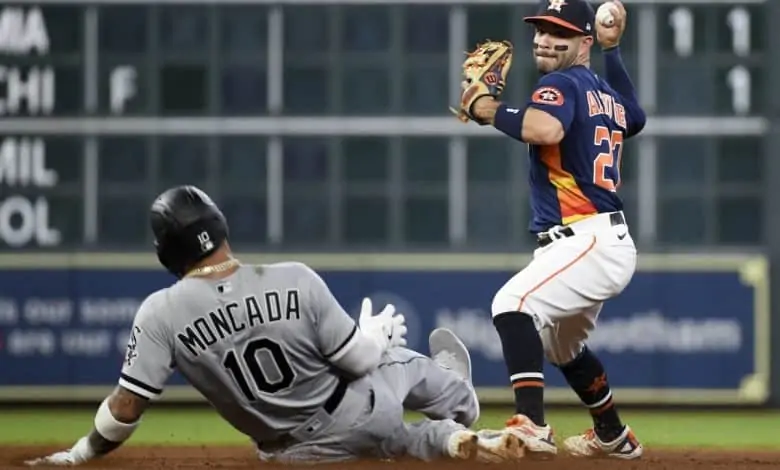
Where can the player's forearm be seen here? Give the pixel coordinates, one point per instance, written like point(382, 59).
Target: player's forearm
point(485, 108)
point(617, 75)
point(100, 445)
point(527, 125)
point(115, 421)
point(361, 357)
point(619, 79)
point(107, 435)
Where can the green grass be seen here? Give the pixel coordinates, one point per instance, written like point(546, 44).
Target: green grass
point(750, 429)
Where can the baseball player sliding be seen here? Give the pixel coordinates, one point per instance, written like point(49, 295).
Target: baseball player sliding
point(279, 359)
point(574, 124)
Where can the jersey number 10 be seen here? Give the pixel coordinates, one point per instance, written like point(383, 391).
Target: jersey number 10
point(252, 367)
point(613, 141)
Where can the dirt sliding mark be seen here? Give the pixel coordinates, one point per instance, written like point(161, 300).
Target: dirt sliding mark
point(225, 458)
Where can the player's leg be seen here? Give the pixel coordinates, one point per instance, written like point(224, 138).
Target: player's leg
point(440, 386)
point(307, 454)
point(563, 280)
point(423, 439)
point(532, 300)
point(564, 347)
point(382, 432)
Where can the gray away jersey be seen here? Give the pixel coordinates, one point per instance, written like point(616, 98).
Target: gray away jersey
point(256, 344)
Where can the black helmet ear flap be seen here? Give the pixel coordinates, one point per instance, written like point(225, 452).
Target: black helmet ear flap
point(168, 260)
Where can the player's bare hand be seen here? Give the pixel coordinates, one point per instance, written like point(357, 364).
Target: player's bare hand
point(609, 36)
point(76, 455)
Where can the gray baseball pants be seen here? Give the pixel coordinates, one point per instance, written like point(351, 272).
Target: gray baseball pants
point(369, 422)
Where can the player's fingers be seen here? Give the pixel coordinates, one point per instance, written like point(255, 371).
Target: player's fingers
point(621, 12)
point(365, 308)
point(399, 330)
point(55, 459)
point(388, 311)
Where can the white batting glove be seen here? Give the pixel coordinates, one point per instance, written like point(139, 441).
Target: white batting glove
point(386, 328)
point(76, 455)
point(398, 331)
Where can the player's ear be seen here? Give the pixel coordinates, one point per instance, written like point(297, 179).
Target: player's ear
point(586, 43)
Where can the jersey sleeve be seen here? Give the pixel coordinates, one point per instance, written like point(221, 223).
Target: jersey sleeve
point(556, 95)
point(336, 330)
point(620, 81)
point(149, 357)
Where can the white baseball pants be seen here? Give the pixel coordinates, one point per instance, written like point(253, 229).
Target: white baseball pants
point(568, 281)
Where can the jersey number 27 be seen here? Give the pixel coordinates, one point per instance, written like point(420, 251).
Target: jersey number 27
point(609, 160)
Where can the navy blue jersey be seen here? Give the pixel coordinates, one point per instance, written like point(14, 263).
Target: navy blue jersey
point(580, 176)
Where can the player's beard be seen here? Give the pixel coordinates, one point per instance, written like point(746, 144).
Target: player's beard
point(561, 56)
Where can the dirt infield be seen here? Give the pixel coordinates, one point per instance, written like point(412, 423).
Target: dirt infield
point(225, 458)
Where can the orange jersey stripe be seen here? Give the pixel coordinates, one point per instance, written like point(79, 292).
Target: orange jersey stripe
point(574, 204)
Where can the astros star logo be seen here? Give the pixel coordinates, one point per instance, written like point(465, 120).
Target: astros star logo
point(548, 95)
point(556, 5)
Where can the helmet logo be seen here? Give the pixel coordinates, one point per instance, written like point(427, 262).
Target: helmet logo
point(205, 242)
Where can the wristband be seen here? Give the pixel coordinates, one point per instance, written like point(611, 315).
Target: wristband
point(509, 121)
point(111, 429)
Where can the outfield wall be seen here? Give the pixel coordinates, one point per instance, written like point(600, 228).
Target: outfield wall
point(689, 330)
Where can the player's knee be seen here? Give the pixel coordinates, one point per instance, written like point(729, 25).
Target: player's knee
point(469, 410)
point(468, 417)
point(504, 302)
point(560, 354)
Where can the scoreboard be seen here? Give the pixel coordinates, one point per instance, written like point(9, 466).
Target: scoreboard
point(101, 102)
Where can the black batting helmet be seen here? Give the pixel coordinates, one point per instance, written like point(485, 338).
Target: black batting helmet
point(187, 227)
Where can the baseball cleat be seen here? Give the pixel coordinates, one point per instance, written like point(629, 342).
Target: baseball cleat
point(537, 440)
point(588, 444)
point(498, 446)
point(462, 445)
point(449, 352)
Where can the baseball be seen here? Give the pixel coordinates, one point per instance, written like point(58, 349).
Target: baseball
point(605, 15)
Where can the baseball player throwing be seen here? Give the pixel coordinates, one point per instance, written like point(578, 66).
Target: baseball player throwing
point(575, 124)
point(278, 358)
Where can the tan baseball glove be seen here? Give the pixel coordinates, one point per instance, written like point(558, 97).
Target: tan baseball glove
point(484, 73)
